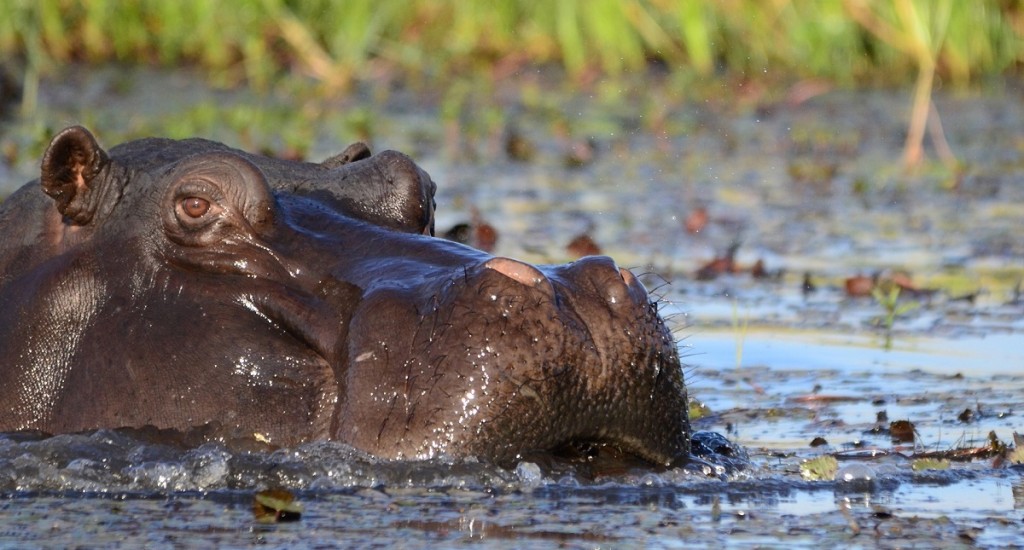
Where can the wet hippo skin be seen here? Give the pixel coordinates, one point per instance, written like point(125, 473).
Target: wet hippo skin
point(185, 284)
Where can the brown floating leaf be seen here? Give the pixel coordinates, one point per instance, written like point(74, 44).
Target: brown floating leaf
point(583, 245)
point(580, 153)
point(477, 233)
point(517, 146)
point(696, 220)
point(901, 431)
point(758, 271)
point(276, 505)
point(725, 263)
point(486, 236)
point(859, 286)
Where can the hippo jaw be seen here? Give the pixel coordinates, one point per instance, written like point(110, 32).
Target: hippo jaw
point(505, 360)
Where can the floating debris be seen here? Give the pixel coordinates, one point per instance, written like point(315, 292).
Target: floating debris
point(726, 263)
point(859, 286)
point(476, 233)
point(822, 468)
point(922, 464)
point(1016, 456)
point(696, 220)
point(276, 506)
point(902, 431)
point(580, 153)
point(759, 271)
point(898, 283)
point(807, 286)
point(517, 147)
point(583, 245)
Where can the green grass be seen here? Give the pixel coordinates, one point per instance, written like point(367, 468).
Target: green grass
point(457, 46)
point(888, 296)
point(339, 43)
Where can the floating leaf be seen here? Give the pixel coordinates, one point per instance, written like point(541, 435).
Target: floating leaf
point(1016, 456)
point(583, 245)
point(930, 464)
point(901, 431)
point(276, 505)
point(698, 410)
point(822, 468)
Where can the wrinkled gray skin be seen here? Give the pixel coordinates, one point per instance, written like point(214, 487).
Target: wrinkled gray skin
point(187, 285)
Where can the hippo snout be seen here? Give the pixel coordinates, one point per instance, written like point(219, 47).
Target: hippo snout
point(597, 274)
point(618, 287)
point(508, 359)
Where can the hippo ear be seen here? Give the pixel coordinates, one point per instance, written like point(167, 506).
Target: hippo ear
point(70, 168)
point(352, 153)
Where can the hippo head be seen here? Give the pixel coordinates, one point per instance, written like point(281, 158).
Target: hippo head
point(185, 284)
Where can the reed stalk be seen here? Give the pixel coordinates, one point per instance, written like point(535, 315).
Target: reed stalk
point(437, 42)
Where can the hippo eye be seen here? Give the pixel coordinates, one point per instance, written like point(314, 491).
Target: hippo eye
point(195, 207)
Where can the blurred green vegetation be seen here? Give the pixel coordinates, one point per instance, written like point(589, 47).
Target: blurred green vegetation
point(848, 42)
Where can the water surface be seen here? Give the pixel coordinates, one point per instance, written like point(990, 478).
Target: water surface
point(811, 189)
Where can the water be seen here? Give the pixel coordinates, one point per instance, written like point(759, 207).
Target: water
point(775, 367)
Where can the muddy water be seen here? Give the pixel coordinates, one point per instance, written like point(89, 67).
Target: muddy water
point(813, 190)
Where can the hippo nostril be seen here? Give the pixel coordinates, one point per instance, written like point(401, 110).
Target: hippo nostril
point(616, 292)
point(619, 287)
point(636, 289)
point(520, 272)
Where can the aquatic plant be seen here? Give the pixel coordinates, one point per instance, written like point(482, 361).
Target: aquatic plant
point(918, 30)
point(888, 296)
point(440, 43)
point(848, 41)
point(739, 327)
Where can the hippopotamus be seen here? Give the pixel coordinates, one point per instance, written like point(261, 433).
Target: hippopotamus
point(186, 285)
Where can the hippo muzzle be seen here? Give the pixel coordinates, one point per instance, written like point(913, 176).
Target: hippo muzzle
point(184, 284)
point(504, 359)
